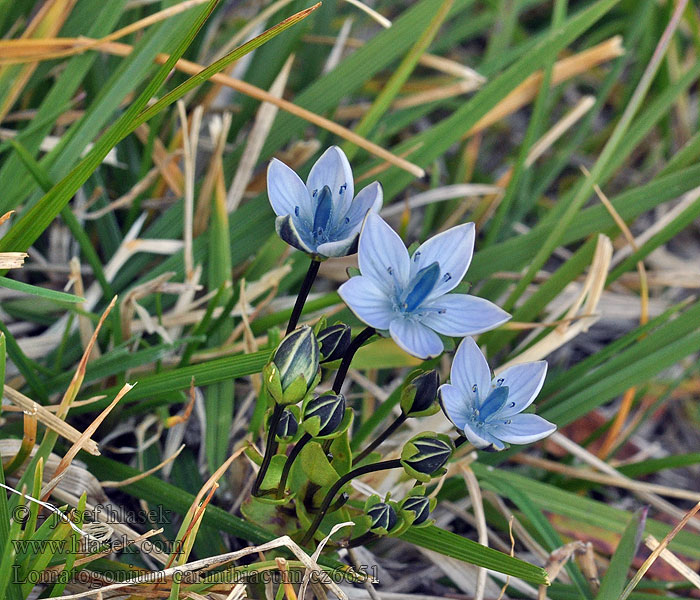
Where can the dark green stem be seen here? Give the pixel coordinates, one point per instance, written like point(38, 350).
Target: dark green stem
point(381, 437)
point(461, 440)
point(338, 485)
point(360, 339)
point(303, 294)
point(305, 439)
point(361, 540)
point(270, 447)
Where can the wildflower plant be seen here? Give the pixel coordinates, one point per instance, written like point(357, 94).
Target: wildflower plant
point(194, 256)
point(307, 467)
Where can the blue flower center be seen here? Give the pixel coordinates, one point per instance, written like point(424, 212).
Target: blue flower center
point(420, 287)
point(495, 401)
point(322, 216)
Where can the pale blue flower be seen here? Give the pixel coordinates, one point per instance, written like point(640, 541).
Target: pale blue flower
point(408, 296)
point(489, 412)
point(320, 217)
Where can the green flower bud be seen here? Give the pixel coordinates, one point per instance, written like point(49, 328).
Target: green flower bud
point(418, 397)
point(293, 371)
point(334, 341)
point(287, 426)
point(424, 455)
point(383, 517)
point(327, 411)
point(419, 506)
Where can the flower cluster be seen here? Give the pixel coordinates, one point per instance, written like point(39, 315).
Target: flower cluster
point(412, 297)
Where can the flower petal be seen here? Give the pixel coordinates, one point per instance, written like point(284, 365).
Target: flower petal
point(522, 429)
point(453, 250)
point(287, 230)
point(337, 248)
point(470, 372)
point(367, 301)
point(482, 438)
point(462, 314)
point(382, 255)
point(455, 405)
point(287, 192)
point(368, 199)
point(333, 169)
point(415, 338)
point(524, 382)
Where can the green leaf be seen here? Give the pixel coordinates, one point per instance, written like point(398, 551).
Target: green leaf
point(615, 577)
point(455, 546)
point(34, 290)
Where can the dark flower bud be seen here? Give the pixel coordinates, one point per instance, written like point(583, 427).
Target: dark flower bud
point(287, 426)
point(419, 506)
point(383, 517)
point(424, 455)
point(327, 413)
point(418, 397)
point(293, 371)
point(334, 341)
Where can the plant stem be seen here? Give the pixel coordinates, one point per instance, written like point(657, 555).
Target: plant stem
point(460, 440)
point(305, 439)
point(361, 540)
point(360, 339)
point(338, 485)
point(381, 437)
point(270, 447)
point(303, 294)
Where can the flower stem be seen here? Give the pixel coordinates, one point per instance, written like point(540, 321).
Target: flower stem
point(305, 439)
point(338, 485)
point(361, 540)
point(270, 447)
point(303, 294)
point(460, 441)
point(381, 437)
point(360, 339)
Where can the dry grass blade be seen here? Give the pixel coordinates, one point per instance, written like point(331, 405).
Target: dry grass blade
point(12, 260)
point(591, 459)
point(563, 69)
point(144, 474)
point(559, 128)
point(80, 442)
point(626, 405)
point(670, 558)
point(381, 19)
point(47, 22)
point(23, 50)
point(657, 552)
point(192, 68)
point(478, 506)
point(584, 306)
point(556, 562)
point(209, 563)
point(590, 475)
point(28, 441)
point(6, 216)
point(48, 418)
point(447, 192)
point(262, 124)
point(79, 374)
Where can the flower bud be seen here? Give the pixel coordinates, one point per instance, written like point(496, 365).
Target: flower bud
point(383, 517)
point(424, 455)
point(418, 397)
point(419, 506)
point(287, 426)
point(293, 371)
point(334, 341)
point(327, 413)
